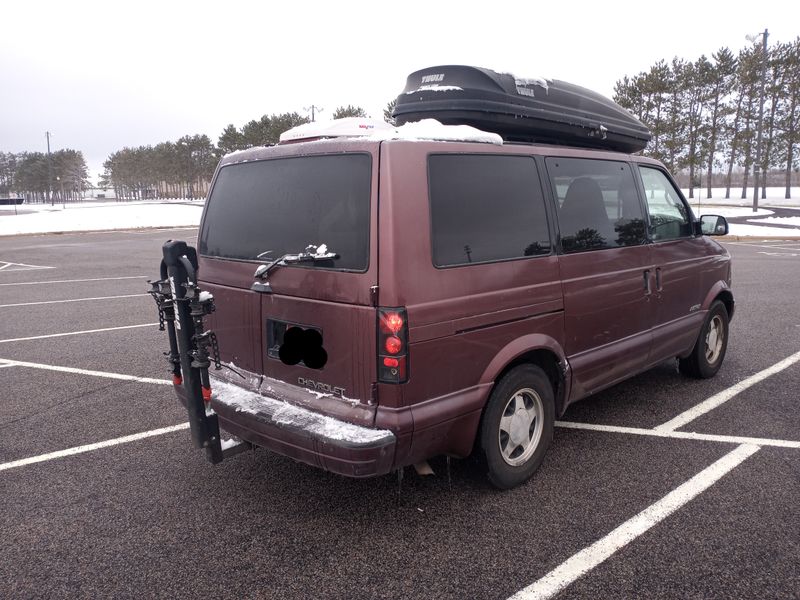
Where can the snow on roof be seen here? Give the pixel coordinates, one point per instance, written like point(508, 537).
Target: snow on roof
point(431, 129)
point(346, 127)
point(436, 88)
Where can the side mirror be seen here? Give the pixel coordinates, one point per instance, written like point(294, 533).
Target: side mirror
point(713, 225)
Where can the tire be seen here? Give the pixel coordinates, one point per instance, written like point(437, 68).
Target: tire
point(517, 426)
point(712, 343)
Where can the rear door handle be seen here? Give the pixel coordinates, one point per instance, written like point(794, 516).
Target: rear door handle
point(647, 290)
point(658, 279)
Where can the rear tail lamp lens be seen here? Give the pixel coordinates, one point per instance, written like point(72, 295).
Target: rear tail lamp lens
point(392, 345)
point(391, 322)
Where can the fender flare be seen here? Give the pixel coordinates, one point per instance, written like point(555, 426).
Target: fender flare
point(719, 288)
point(530, 343)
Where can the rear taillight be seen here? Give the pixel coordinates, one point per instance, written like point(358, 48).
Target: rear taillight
point(392, 345)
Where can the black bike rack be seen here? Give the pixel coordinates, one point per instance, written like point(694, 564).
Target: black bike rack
point(182, 306)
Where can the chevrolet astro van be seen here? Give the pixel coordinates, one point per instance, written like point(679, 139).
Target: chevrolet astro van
point(383, 295)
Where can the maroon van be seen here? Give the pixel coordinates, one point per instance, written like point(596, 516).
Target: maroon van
point(374, 302)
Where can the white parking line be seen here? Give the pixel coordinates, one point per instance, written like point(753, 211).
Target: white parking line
point(55, 335)
point(107, 374)
point(590, 557)
point(72, 300)
point(681, 435)
point(143, 277)
point(725, 395)
point(778, 245)
point(89, 447)
point(10, 267)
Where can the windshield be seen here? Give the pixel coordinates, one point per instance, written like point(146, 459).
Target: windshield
point(275, 207)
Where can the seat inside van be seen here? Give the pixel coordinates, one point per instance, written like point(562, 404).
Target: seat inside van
point(582, 217)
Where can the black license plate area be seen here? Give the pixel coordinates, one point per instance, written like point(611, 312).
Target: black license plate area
point(296, 344)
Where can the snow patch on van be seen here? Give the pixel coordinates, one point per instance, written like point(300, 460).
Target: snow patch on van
point(436, 88)
point(285, 414)
point(431, 129)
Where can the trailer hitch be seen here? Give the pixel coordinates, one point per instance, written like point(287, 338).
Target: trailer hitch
point(182, 305)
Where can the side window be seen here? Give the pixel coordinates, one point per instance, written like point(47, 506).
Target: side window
point(669, 216)
point(485, 208)
point(598, 205)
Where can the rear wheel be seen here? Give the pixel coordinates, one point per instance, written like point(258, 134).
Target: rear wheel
point(709, 350)
point(517, 427)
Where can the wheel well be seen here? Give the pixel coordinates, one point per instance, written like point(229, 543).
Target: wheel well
point(727, 299)
point(550, 364)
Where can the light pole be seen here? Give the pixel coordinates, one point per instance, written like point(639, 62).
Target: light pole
point(49, 171)
point(313, 109)
point(757, 165)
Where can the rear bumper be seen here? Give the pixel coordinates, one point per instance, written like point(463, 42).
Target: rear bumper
point(303, 435)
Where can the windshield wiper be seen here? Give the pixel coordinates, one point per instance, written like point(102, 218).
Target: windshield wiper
point(310, 254)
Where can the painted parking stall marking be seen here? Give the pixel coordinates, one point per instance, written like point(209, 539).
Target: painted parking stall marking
point(143, 277)
point(69, 333)
point(73, 300)
point(8, 267)
point(590, 557)
point(106, 374)
point(681, 435)
point(725, 395)
point(90, 447)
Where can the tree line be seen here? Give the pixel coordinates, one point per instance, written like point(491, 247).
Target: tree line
point(184, 168)
point(33, 176)
point(704, 115)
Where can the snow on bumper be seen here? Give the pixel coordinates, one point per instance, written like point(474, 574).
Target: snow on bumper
point(303, 434)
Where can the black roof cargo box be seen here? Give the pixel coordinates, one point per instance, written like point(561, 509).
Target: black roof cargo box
point(525, 110)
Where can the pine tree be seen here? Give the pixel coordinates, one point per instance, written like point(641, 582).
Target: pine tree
point(349, 111)
point(387, 112)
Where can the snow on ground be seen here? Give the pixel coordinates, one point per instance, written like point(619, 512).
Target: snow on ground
point(759, 231)
point(732, 211)
point(99, 216)
point(94, 216)
point(779, 220)
point(775, 197)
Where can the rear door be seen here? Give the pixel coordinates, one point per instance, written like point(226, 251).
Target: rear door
point(314, 327)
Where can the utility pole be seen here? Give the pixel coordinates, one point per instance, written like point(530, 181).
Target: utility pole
point(314, 110)
point(49, 171)
point(757, 166)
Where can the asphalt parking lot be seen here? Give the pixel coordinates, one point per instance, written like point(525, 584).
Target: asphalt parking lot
point(660, 487)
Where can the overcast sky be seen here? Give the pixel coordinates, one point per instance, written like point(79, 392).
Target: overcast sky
point(103, 75)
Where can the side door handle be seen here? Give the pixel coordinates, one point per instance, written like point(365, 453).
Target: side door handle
point(659, 287)
point(647, 289)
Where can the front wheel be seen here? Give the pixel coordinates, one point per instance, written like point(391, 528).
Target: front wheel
point(517, 427)
point(709, 350)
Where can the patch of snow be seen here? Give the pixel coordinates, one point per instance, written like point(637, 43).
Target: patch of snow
point(91, 216)
point(431, 129)
point(283, 413)
point(778, 220)
point(731, 211)
point(436, 88)
point(775, 197)
point(756, 231)
point(522, 84)
point(228, 444)
point(345, 127)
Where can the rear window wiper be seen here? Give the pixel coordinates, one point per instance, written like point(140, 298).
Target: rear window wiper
point(312, 253)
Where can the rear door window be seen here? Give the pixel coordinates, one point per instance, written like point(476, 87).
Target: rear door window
point(264, 209)
point(598, 205)
point(485, 208)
